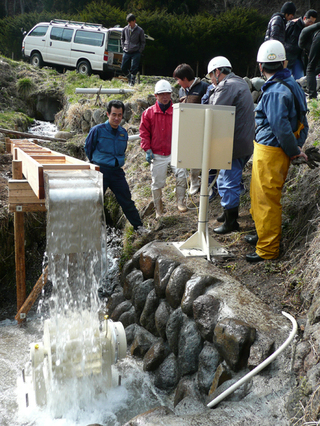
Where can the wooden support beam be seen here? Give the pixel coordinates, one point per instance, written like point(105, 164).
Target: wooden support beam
point(8, 145)
point(19, 243)
point(25, 308)
point(22, 198)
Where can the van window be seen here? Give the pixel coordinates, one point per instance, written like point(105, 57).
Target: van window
point(114, 43)
point(39, 31)
point(87, 37)
point(61, 34)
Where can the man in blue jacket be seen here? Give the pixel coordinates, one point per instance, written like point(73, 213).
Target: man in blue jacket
point(105, 146)
point(281, 130)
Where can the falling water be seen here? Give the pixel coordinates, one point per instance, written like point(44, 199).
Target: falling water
point(78, 393)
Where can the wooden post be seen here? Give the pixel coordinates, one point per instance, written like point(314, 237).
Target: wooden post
point(8, 145)
point(25, 308)
point(19, 243)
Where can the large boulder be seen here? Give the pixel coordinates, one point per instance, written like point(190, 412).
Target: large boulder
point(189, 348)
point(233, 339)
point(176, 285)
point(147, 319)
point(156, 355)
point(195, 287)
point(167, 375)
point(205, 314)
point(162, 272)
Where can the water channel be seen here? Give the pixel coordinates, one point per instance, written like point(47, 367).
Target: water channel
point(81, 260)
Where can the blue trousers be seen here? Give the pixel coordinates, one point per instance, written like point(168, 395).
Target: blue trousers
point(297, 69)
point(114, 178)
point(229, 183)
point(130, 63)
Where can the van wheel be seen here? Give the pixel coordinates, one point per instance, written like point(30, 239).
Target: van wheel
point(36, 60)
point(84, 68)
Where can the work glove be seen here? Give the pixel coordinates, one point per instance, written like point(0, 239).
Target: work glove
point(149, 156)
point(313, 155)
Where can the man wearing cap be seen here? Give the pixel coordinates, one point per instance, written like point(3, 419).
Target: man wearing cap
point(281, 130)
point(155, 133)
point(276, 29)
point(133, 43)
point(229, 89)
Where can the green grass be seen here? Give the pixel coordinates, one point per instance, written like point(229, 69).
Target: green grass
point(8, 119)
point(25, 86)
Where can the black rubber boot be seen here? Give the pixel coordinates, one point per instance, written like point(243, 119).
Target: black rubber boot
point(222, 217)
point(230, 224)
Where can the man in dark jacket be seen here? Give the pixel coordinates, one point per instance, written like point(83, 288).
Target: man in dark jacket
point(293, 51)
point(105, 146)
point(310, 41)
point(277, 24)
point(133, 43)
point(191, 91)
point(234, 91)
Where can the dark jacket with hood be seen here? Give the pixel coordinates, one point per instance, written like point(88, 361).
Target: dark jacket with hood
point(276, 28)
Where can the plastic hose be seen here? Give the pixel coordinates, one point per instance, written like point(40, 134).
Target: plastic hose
point(260, 366)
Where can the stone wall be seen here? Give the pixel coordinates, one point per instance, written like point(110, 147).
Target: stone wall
point(194, 328)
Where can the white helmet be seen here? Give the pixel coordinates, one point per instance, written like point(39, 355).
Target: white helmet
point(271, 51)
point(162, 86)
point(218, 62)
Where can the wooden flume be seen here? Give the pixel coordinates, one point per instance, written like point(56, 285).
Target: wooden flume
point(27, 194)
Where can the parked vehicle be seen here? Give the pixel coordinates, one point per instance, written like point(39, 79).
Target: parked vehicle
point(76, 45)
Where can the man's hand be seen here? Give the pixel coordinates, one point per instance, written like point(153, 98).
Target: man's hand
point(299, 159)
point(149, 156)
point(311, 157)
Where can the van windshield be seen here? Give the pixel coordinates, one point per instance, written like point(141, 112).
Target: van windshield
point(39, 31)
point(87, 37)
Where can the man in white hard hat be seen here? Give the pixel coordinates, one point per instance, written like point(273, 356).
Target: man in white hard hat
point(234, 91)
point(281, 130)
point(155, 132)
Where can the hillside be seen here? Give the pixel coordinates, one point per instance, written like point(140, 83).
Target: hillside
point(289, 283)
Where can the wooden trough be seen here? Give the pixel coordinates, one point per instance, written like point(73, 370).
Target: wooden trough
point(27, 194)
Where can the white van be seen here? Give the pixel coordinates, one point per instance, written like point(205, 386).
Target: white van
point(77, 45)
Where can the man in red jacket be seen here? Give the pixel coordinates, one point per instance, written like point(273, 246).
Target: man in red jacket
point(155, 132)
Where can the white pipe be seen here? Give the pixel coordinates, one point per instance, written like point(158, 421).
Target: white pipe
point(260, 366)
point(134, 137)
point(95, 91)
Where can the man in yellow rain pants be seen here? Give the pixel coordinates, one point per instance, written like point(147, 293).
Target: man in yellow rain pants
point(281, 130)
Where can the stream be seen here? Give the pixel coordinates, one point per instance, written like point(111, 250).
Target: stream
point(82, 271)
